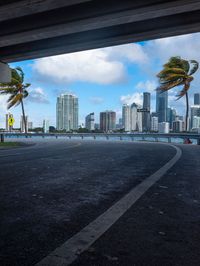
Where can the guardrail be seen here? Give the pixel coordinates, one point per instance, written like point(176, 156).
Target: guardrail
point(133, 136)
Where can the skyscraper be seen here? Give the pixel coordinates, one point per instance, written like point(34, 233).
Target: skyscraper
point(46, 126)
point(22, 125)
point(107, 121)
point(67, 112)
point(171, 116)
point(154, 123)
point(161, 106)
point(194, 111)
point(197, 99)
point(146, 123)
point(89, 121)
point(126, 117)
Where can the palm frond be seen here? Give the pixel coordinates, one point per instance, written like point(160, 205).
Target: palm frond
point(170, 85)
point(183, 91)
point(25, 93)
point(178, 62)
point(20, 73)
point(15, 101)
point(195, 66)
point(167, 71)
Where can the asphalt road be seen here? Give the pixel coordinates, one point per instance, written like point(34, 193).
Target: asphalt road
point(51, 190)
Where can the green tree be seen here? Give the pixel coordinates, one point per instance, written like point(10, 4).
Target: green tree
point(178, 72)
point(17, 91)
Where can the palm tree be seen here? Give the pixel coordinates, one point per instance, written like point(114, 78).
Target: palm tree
point(16, 89)
point(178, 72)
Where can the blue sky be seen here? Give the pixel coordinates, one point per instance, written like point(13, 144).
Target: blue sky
point(103, 79)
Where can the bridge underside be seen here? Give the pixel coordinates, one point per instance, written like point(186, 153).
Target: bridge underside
point(32, 28)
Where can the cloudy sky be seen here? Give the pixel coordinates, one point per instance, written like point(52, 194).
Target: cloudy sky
point(103, 79)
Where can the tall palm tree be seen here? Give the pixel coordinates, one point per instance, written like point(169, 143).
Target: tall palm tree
point(16, 89)
point(178, 72)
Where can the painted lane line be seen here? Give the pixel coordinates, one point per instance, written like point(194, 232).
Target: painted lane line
point(72, 248)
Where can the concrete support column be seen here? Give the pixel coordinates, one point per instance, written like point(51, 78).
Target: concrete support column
point(198, 141)
point(2, 137)
point(5, 72)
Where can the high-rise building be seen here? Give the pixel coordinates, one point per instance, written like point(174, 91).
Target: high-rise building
point(178, 126)
point(8, 127)
point(96, 126)
point(67, 112)
point(107, 121)
point(171, 116)
point(22, 124)
point(136, 117)
point(154, 123)
point(132, 117)
point(194, 111)
point(46, 126)
point(30, 125)
point(89, 121)
point(126, 117)
point(146, 120)
point(196, 122)
point(161, 105)
point(163, 127)
point(197, 99)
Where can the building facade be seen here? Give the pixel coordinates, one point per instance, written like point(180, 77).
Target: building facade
point(126, 117)
point(163, 127)
point(194, 111)
point(161, 106)
point(67, 112)
point(22, 125)
point(146, 119)
point(154, 123)
point(46, 126)
point(89, 121)
point(178, 126)
point(107, 121)
point(197, 99)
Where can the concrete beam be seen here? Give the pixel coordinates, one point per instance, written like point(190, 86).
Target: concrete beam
point(33, 29)
point(21, 35)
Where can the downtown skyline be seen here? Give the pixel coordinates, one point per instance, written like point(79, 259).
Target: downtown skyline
point(102, 79)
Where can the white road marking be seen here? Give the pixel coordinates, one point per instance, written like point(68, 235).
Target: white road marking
point(69, 251)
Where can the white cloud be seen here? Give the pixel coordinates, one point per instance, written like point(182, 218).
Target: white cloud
point(186, 46)
point(37, 95)
point(136, 97)
point(148, 85)
point(96, 100)
point(101, 66)
point(88, 66)
point(133, 53)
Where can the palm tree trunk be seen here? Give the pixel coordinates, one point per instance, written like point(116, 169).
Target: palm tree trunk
point(24, 117)
point(187, 110)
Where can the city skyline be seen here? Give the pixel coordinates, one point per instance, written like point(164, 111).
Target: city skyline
point(102, 78)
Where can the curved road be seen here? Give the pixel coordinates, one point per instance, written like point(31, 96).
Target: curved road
point(51, 190)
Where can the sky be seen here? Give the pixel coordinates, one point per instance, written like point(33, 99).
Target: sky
point(103, 79)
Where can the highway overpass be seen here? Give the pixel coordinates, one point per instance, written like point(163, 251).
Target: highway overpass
point(32, 28)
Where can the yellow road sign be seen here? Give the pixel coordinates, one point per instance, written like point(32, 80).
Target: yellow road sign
point(11, 121)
